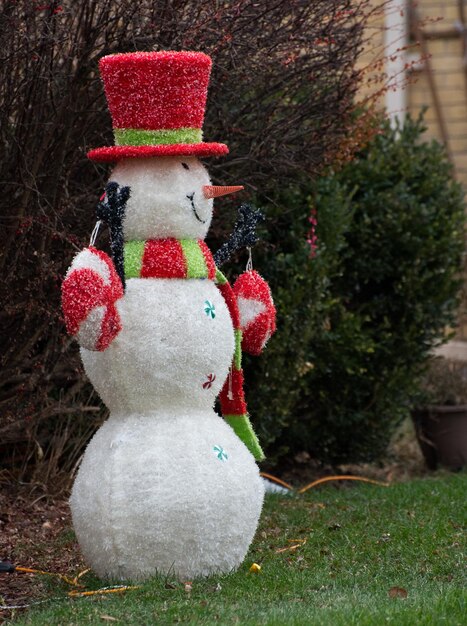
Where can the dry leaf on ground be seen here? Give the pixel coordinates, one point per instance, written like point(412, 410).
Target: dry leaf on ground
point(397, 592)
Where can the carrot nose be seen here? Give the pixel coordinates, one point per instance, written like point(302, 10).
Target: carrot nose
point(214, 191)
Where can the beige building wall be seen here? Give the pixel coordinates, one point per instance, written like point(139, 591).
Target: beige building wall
point(445, 45)
point(440, 22)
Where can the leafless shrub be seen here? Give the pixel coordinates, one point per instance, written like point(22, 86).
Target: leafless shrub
point(282, 96)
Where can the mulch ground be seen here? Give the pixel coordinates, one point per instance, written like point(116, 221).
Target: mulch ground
point(35, 532)
point(35, 528)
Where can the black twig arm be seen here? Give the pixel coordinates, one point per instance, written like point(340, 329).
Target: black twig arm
point(243, 235)
point(111, 210)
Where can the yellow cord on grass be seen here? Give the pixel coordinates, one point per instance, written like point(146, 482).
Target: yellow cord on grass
point(70, 581)
point(96, 592)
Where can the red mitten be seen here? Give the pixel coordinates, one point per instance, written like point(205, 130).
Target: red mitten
point(89, 292)
point(257, 311)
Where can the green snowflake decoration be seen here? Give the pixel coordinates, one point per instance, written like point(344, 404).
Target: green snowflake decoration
point(209, 309)
point(220, 453)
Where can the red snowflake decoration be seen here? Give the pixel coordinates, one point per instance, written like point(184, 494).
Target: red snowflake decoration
point(210, 380)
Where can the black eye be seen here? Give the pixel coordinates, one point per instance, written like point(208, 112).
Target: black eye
point(185, 166)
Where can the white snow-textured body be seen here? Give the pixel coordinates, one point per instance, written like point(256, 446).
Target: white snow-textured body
point(168, 348)
point(165, 485)
point(166, 493)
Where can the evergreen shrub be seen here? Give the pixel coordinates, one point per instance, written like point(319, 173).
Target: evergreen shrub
point(358, 319)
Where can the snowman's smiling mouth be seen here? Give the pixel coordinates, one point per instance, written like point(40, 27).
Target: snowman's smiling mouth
point(193, 208)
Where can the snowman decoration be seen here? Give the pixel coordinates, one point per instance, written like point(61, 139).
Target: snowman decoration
point(166, 485)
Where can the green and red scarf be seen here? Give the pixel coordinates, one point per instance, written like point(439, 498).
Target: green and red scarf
point(191, 258)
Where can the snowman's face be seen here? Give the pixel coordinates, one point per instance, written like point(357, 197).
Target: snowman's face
point(166, 198)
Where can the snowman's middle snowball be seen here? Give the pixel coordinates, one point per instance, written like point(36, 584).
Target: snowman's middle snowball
point(171, 351)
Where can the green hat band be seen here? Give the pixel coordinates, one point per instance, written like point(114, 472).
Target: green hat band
point(137, 137)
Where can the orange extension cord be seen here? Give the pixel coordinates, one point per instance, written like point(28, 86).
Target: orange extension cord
point(320, 481)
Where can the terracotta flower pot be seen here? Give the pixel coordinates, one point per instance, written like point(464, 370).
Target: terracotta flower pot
point(442, 435)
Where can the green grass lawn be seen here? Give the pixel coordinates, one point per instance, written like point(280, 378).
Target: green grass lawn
point(361, 542)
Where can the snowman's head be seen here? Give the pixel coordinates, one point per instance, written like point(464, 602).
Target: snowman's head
point(166, 197)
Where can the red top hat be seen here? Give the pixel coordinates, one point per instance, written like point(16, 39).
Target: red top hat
point(157, 102)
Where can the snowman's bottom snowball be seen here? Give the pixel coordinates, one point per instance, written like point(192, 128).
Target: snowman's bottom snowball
point(167, 494)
